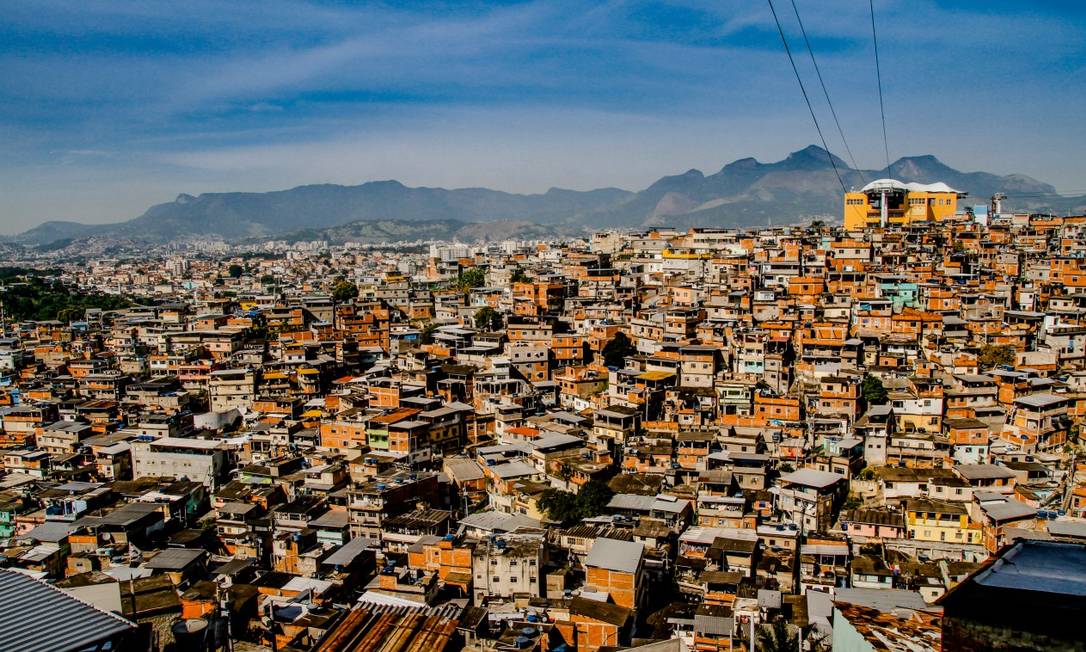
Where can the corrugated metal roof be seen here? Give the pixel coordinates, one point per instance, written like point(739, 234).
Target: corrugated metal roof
point(37, 616)
point(612, 554)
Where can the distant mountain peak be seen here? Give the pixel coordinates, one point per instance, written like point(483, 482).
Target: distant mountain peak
point(922, 158)
point(811, 157)
point(925, 164)
point(810, 150)
point(745, 163)
point(744, 192)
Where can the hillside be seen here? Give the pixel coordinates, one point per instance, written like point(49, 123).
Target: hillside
point(743, 193)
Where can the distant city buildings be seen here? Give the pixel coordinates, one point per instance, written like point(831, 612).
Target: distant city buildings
point(852, 437)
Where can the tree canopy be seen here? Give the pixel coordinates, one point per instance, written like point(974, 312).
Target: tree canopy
point(994, 356)
point(617, 350)
point(235, 270)
point(776, 637)
point(471, 278)
point(519, 276)
point(568, 508)
point(873, 391)
point(488, 319)
point(344, 291)
point(39, 299)
point(426, 335)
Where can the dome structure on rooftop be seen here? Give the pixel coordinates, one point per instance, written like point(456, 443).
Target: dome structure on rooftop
point(878, 185)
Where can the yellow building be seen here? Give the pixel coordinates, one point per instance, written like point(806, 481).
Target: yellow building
point(934, 520)
point(889, 201)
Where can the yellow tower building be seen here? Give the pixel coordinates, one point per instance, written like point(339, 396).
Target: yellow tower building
point(888, 201)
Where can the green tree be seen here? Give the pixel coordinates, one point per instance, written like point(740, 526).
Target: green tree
point(617, 350)
point(267, 279)
point(38, 299)
point(559, 506)
point(592, 499)
point(344, 291)
point(777, 637)
point(258, 333)
point(873, 391)
point(426, 336)
point(471, 278)
point(568, 508)
point(488, 319)
point(519, 276)
point(235, 270)
point(994, 356)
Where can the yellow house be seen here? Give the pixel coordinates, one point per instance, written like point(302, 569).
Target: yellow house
point(685, 254)
point(935, 520)
point(888, 201)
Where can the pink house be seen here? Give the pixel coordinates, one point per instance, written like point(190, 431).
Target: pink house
point(873, 524)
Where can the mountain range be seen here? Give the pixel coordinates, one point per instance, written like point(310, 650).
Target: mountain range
point(746, 192)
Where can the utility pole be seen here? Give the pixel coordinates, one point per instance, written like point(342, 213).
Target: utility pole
point(270, 624)
point(224, 606)
point(1069, 480)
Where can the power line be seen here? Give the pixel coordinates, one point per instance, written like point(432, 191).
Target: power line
point(878, 75)
point(806, 99)
point(833, 112)
point(1070, 194)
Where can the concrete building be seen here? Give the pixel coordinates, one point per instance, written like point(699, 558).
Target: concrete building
point(199, 460)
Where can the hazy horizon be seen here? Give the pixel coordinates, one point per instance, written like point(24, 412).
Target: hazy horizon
point(108, 109)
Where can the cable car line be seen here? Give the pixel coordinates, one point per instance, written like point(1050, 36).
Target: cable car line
point(806, 99)
point(826, 93)
point(878, 75)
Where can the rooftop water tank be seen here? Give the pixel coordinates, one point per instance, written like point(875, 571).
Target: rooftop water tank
point(191, 634)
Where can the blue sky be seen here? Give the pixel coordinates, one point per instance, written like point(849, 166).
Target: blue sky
point(108, 107)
